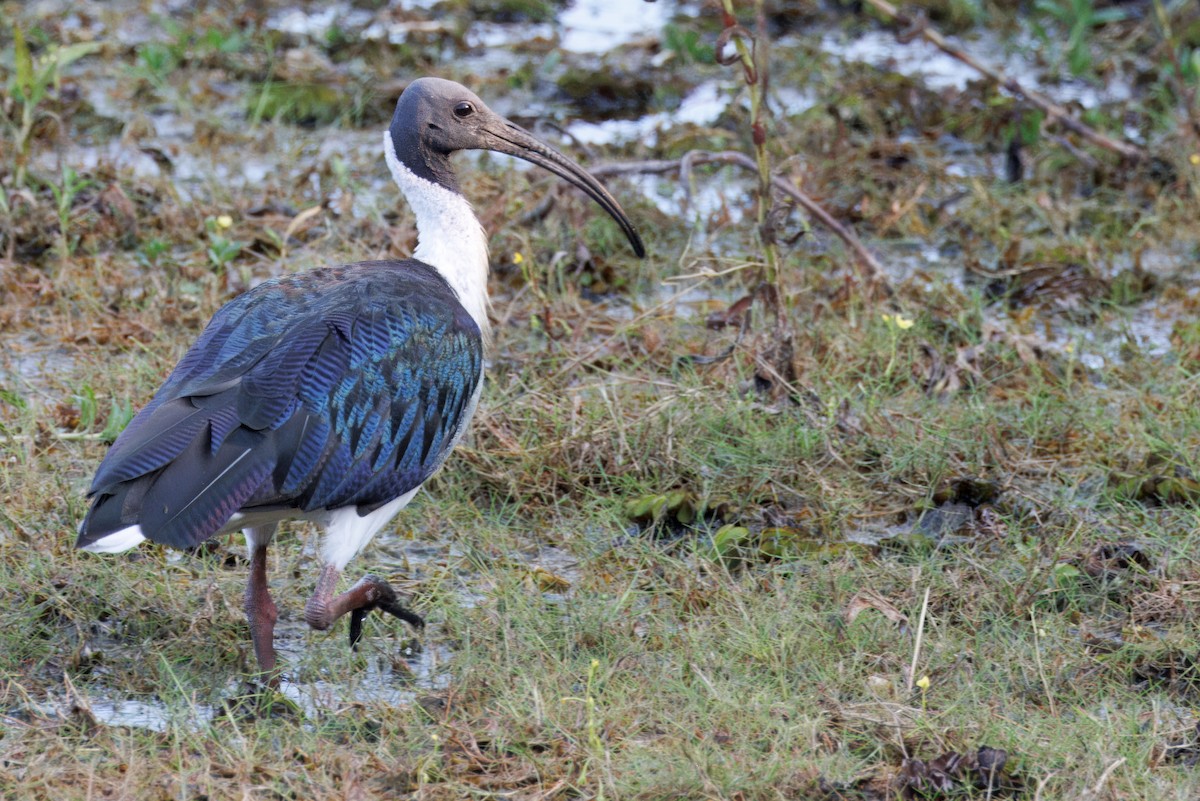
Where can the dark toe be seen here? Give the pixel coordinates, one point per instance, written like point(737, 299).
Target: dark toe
point(385, 601)
point(407, 615)
point(356, 620)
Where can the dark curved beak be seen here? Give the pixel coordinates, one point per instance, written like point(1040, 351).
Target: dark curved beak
point(503, 136)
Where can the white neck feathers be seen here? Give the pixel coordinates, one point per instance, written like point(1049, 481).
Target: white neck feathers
point(449, 237)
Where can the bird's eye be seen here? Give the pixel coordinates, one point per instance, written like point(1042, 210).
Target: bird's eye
point(464, 109)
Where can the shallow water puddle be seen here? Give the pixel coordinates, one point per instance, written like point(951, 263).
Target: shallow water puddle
point(598, 26)
point(29, 359)
point(96, 706)
point(152, 715)
point(374, 681)
point(702, 106)
point(316, 24)
point(726, 194)
point(321, 675)
point(938, 71)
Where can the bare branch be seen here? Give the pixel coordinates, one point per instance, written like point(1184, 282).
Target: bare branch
point(1054, 112)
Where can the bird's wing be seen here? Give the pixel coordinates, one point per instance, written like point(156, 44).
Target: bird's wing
point(341, 387)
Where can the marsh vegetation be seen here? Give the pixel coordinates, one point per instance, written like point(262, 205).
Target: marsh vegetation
point(757, 517)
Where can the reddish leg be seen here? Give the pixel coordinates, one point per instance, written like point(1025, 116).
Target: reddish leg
point(261, 613)
point(371, 592)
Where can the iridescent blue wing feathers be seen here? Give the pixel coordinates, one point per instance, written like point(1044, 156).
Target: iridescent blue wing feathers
point(341, 387)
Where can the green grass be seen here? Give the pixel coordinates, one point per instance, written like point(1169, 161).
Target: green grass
point(704, 678)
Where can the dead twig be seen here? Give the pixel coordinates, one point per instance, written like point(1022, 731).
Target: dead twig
point(913, 28)
point(1106, 775)
point(871, 269)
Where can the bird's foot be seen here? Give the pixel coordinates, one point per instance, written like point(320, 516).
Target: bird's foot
point(380, 595)
point(370, 592)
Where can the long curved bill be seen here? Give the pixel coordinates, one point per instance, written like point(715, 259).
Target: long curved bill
point(506, 137)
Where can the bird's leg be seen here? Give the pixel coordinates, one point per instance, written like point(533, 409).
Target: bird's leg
point(261, 613)
point(371, 592)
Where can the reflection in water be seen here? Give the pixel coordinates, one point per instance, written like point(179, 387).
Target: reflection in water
point(373, 681)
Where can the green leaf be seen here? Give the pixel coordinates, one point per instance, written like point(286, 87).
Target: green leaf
point(11, 397)
point(657, 506)
point(1050, 8)
point(1064, 573)
point(1080, 59)
point(87, 408)
point(1104, 16)
point(729, 537)
point(640, 509)
point(24, 65)
point(118, 418)
point(65, 56)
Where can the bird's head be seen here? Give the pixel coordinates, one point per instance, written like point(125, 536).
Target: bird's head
point(436, 117)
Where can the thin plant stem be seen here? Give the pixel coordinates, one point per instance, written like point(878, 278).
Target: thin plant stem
point(751, 51)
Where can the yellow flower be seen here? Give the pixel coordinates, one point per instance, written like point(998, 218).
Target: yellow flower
point(224, 221)
point(903, 323)
point(924, 683)
point(1194, 158)
point(517, 257)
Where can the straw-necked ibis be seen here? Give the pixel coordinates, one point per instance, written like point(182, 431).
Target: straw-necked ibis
point(331, 395)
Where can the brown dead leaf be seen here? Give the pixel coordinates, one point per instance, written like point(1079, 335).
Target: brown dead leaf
point(545, 581)
point(67, 416)
point(652, 339)
point(870, 599)
point(1110, 559)
point(952, 773)
point(1031, 349)
point(944, 378)
point(117, 205)
point(990, 524)
point(734, 316)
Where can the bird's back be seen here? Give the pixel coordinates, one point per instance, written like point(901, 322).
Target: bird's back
point(341, 387)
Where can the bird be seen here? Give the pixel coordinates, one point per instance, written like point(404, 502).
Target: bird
point(330, 395)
